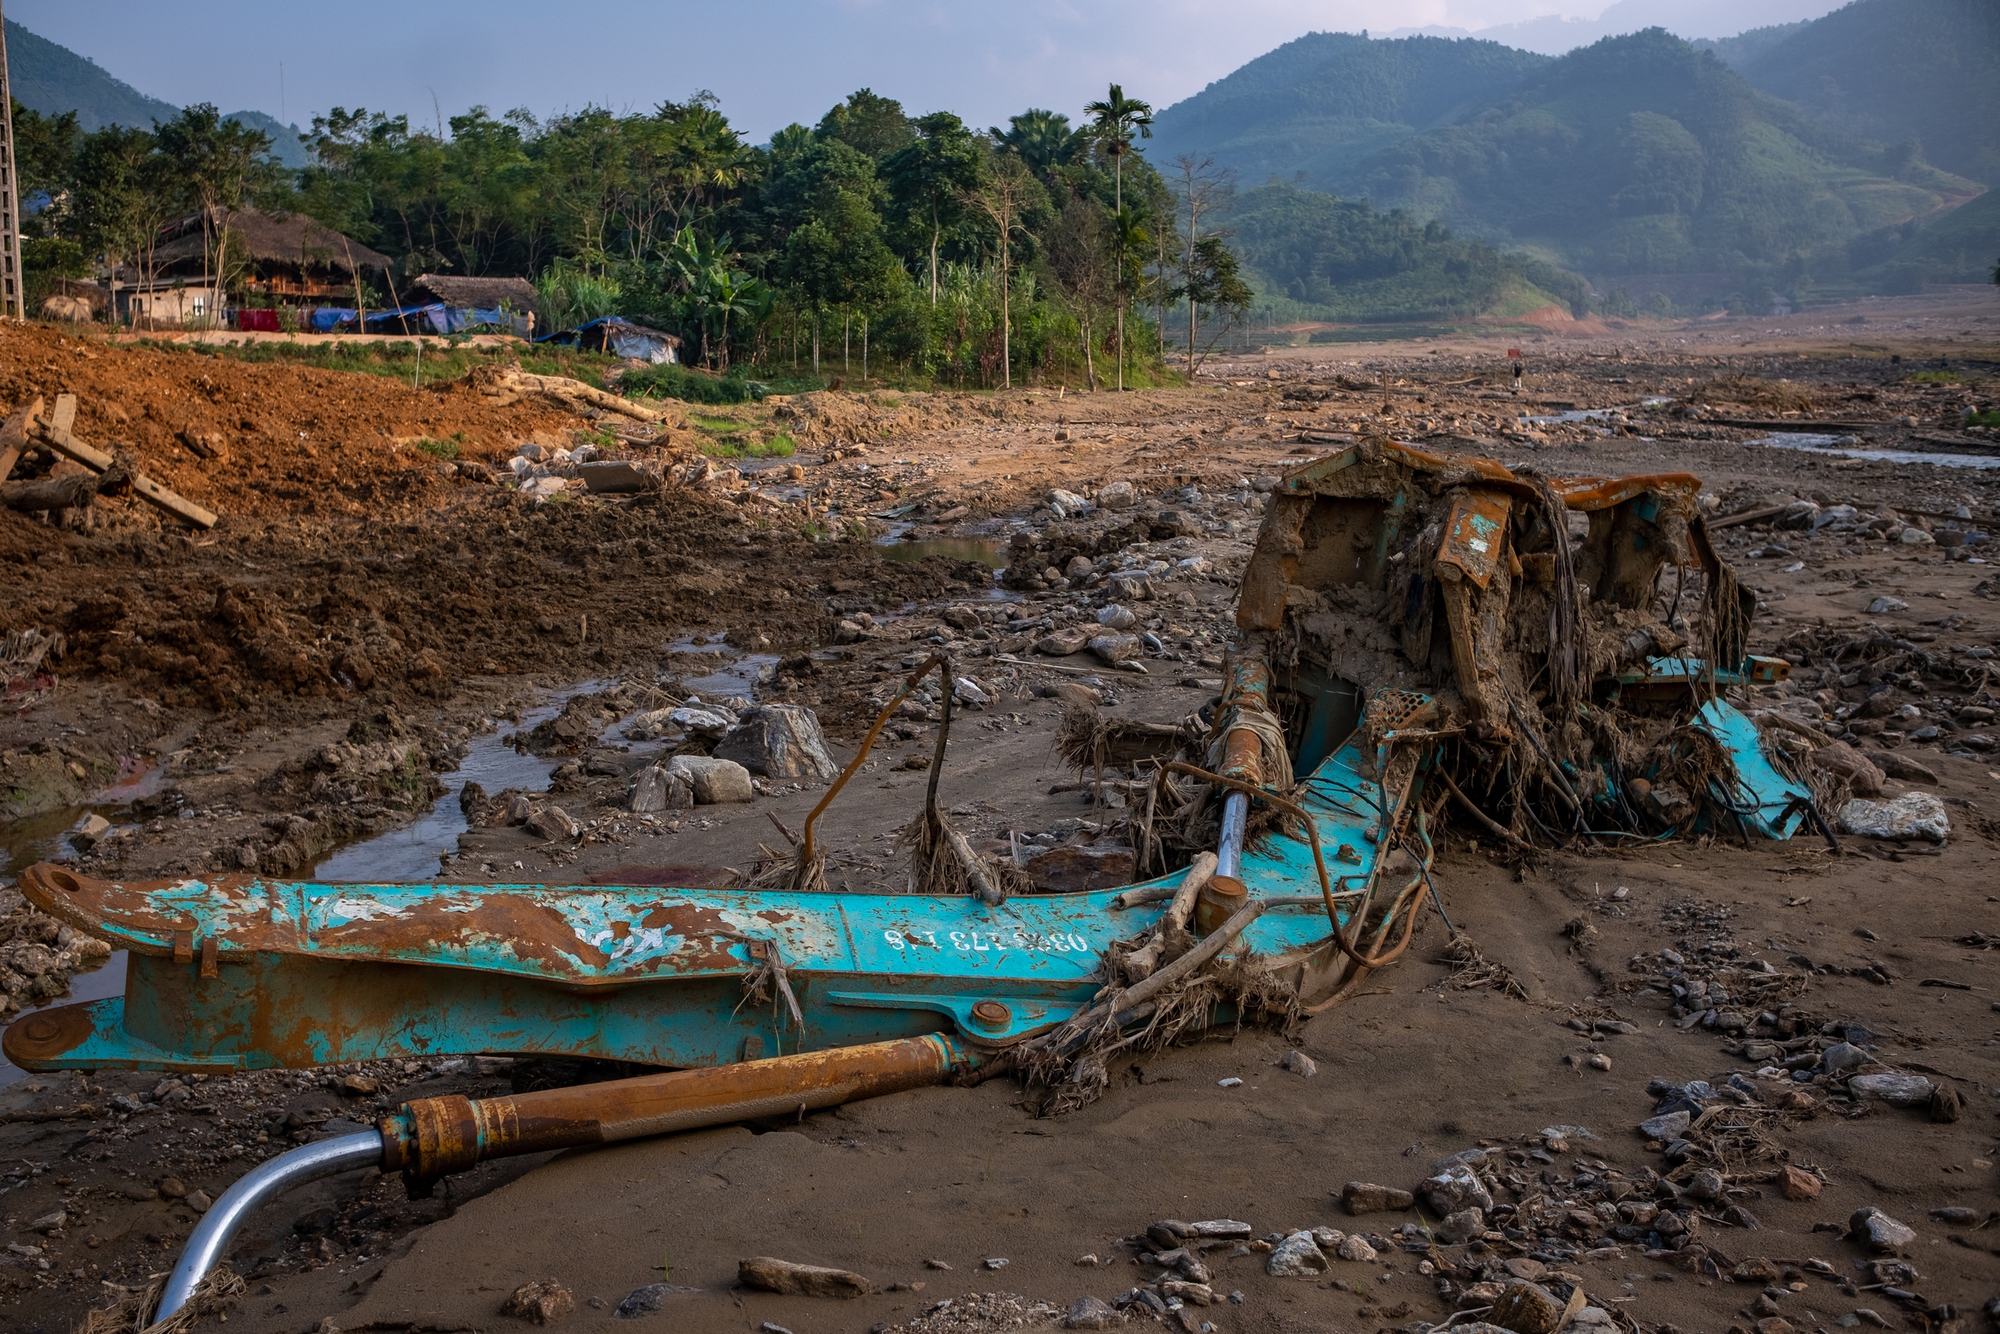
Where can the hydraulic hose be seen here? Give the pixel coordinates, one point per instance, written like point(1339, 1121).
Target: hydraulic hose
point(433, 1137)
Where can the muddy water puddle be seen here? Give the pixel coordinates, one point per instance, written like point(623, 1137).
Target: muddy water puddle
point(45, 836)
point(412, 851)
point(1846, 446)
point(988, 551)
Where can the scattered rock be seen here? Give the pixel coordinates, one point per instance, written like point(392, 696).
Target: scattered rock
point(1896, 1090)
point(360, 1086)
point(647, 1300)
point(86, 832)
point(1799, 1184)
point(779, 741)
point(1844, 761)
point(1114, 649)
point(553, 823)
point(1117, 496)
point(1463, 1226)
point(544, 1302)
point(1354, 1248)
point(658, 790)
point(1115, 617)
point(1879, 1232)
point(48, 1223)
point(1061, 643)
point(1456, 1187)
point(1885, 604)
point(715, 782)
point(1297, 1256)
point(1130, 586)
point(1530, 1308)
point(1092, 1313)
point(1066, 503)
point(1900, 766)
point(1912, 815)
point(1666, 1126)
point(1300, 1064)
point(1363, 1197)
point(782, 1276)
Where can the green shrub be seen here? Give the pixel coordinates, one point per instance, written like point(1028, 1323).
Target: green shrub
point(671, 381)
point(439, 449)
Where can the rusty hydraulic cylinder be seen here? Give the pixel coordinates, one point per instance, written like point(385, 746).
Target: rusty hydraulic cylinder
point(438, 1136)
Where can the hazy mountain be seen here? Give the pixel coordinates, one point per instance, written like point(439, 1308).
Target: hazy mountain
point(52, 79)
point(1891, 70)
point(1554, 35)
point(1641, 154)
point(1323, 103)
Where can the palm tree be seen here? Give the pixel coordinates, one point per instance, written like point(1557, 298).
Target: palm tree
point(1112, 123)
point(1042, 139)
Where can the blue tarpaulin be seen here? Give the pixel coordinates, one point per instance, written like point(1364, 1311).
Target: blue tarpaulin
point(619, 337)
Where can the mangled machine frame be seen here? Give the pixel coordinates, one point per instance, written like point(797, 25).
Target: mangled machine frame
point(1408, 621)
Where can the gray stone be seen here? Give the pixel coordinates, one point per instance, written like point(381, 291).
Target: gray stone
point(1131, 585)
point(659, 790)
point(1079, 567)
point(779, 741)
point(1364, 1197)
point(1453, 1189)
point(553, 822)
point(1885, 604)
point(1300, 1064)
point(1115, 649)
point(649, 1299)
point(710, 723)
point(1224, 1229)
point(1879, 1232)
point(1666, 1127)
point(1115, 617)
point(1066, 503)
point(1842, 1056)
point(86, 832)
point(199, 1201)
point(1091, 1313)
point(715, 781)
point(1896, 1090)
point(1463, 1226)
point(1353, 1248)
point(1118, 496)
point(1297, 1256)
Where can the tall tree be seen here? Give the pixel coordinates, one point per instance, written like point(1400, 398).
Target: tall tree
point(1113, 123)
point(223, 167)
point(1042, 139)
point(1006, 197)
point(866, 121)
point(929, 179)
point(1078, 250)
point(123, 197)
point(1201, 187)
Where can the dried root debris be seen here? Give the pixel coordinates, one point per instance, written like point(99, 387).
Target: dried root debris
point(131, 1308)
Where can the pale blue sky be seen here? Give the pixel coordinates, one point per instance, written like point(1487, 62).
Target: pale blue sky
point(770, 61)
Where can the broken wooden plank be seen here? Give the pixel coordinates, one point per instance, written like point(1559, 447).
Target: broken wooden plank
point(56, 434)
point(15, 433)
point(59, 493)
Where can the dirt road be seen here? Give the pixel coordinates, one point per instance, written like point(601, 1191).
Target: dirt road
point(293, 692)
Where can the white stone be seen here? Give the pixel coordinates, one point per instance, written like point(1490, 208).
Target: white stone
point(1118, 496)
point(1297, 1256)
point(1912, 815)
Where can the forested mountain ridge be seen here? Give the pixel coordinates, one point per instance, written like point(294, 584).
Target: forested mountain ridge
point(1642, 154)
point(1892, 70)
point(1323, 103)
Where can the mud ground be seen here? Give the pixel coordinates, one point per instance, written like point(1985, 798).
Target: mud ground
point(307, 677)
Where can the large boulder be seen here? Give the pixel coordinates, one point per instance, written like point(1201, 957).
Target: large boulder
point(779, 741)
point(715, 781)
point(658, 790)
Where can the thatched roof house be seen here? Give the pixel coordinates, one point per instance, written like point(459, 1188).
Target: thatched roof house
point(290, 254)
point(517, 294)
